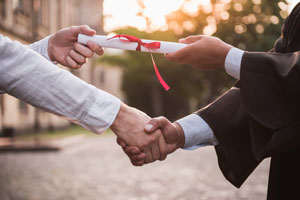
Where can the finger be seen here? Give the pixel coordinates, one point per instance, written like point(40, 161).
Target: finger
point(163, 148)
point(191, 39)
point(77, 57)
point(155, 152)
point(139, 163)
point(121, 143)
point(148, 156)
point(156, 123)
point(83, 50)
point(178, 56)
point(137, 158)
point(152, 125)
point(134, 151)
point(71, 63)
point(129, 151)
point(84, 29)
point(95, 48)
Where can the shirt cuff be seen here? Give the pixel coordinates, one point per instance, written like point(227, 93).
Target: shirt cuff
point(41, 47)
point(102, 114)
point(233, 62)
point(197, 132)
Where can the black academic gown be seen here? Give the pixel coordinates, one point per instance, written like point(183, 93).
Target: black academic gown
point(260, 116)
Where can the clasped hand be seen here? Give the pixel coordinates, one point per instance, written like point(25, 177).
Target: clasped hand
point(171, 138)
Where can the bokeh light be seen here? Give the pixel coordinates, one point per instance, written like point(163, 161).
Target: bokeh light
point(150, 15)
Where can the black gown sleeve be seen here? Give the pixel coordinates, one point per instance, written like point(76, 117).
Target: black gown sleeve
point(229, 121)
point(259, 117)
point(270, 91)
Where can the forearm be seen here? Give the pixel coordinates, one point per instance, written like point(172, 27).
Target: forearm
point(31, 78)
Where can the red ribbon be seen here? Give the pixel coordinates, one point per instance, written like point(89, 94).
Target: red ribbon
point(151, 45)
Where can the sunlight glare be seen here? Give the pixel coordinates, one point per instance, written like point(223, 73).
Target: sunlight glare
point(124, 13)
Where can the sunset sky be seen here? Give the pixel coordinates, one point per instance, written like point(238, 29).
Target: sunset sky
point(124, 13)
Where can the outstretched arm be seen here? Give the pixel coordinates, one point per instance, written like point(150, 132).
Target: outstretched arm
point(31, 78)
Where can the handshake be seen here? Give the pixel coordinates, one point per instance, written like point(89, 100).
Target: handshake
point(143, 139)
point(146, 140)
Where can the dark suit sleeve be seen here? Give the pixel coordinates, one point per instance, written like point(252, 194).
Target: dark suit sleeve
point(258, 117)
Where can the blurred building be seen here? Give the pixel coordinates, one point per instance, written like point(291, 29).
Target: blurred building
point(30, 20)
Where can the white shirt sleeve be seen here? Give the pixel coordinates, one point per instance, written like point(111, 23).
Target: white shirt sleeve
point(33, 79)
point(233, 62)
point(197, 132)
point(41, 47)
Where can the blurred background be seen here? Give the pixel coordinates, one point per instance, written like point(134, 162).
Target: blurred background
point(45, 157)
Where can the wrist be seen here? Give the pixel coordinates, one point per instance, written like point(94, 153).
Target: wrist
point(180, 132)
point(225, 51)
point(115, 127)
point(50, 49)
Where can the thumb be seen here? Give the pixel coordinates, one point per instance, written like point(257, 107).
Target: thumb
point(84, 29)
point(190, 39)
point(156, 123)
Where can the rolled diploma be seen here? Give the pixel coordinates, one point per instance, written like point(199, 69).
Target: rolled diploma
point(165, 47)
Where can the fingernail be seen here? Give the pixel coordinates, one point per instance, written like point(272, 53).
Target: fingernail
point(148, 127)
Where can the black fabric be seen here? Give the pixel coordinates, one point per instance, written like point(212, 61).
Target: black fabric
point(230, 123)
point(260, 117)
point(290, 40)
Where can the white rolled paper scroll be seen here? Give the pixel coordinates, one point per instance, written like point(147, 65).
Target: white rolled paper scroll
point(107, 42)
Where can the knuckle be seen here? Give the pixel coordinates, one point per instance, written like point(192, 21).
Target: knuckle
point(163, 158)
point(170, 57)
point(77, 66)
point(156, 157)
point(144, 145)
point(71, 53)
point(153, 138)
point(161, 118)
point(163, 152)
point(76, 45)
point(138, 164)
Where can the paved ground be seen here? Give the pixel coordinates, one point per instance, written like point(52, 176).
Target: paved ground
point(97, 169)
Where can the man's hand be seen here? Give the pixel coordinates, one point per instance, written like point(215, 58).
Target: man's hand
point(172, 132)
point(129, 127)
point(203, 52)
point(64, 48)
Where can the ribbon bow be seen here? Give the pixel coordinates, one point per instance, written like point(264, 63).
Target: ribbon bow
point(151, 45)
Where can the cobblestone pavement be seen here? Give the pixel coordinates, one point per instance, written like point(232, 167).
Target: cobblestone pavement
point(97, 169)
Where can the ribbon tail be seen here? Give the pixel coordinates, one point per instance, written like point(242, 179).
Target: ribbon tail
point(161, 80)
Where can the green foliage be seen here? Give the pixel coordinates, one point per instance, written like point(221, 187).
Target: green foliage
point(255, 27)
